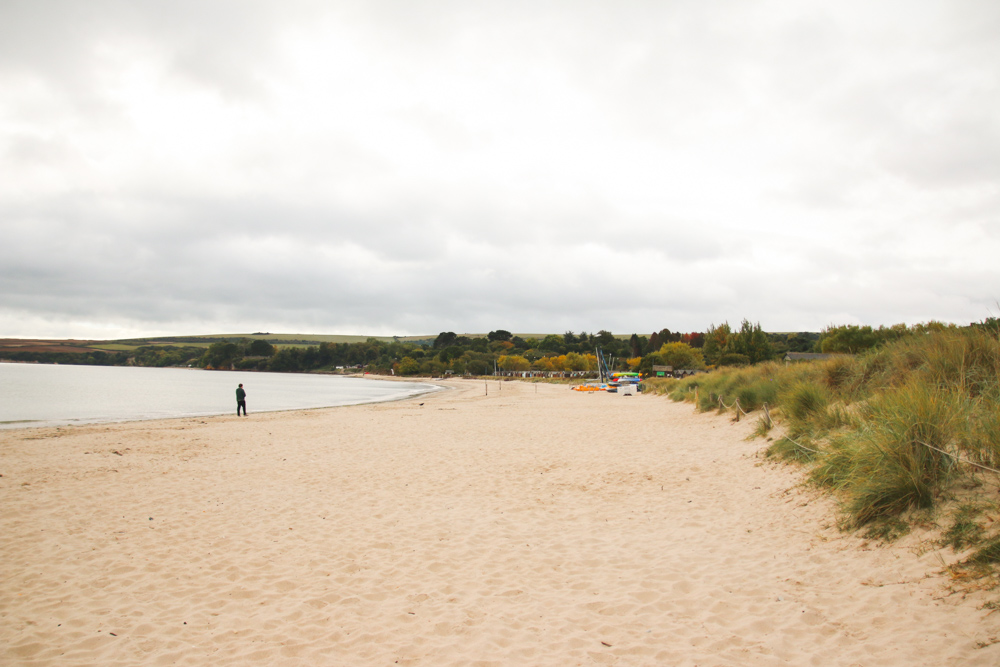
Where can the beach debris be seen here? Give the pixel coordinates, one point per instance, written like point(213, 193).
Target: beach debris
point(606, 644)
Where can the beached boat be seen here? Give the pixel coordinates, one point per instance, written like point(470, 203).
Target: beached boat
point(590, 385)
point(623, 378)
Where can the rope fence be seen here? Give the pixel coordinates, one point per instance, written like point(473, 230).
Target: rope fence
point(736, 404)
point(797, 444)
point(958, 458)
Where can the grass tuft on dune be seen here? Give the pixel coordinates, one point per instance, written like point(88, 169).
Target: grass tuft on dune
point(894, 431)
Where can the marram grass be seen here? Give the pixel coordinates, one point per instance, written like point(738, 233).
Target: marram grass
point(871, 417)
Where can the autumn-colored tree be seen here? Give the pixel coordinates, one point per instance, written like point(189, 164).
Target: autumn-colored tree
point(513, 362)
point(694, 339)
point(544, 364)
point(574, 361)
point(501, 346)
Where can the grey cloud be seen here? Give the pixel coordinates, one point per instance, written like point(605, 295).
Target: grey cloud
point(580, 166)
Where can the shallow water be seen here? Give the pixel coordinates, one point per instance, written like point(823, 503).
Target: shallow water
point(51, 395)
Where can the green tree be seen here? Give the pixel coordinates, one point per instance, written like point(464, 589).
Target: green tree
point(553, 343)
point(750, 341)
point(634, 346)
point(222, 354)
point(478, 367)
point(408, 366)
point(716, 339)
point(606, 339)
point(444, 339)
point(681, 355)
point(287, 360)
point(847, 339)
point(260, 348)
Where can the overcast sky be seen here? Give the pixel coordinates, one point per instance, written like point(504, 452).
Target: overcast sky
point(414, 167)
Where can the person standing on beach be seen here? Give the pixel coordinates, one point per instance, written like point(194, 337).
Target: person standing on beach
point(241, 401)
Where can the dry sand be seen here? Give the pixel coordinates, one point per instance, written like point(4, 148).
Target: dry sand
point(529, 526)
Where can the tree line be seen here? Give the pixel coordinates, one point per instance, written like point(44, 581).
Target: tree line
point(500, 350)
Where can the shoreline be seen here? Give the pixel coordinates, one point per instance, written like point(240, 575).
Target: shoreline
point(20, 424)
point(533, 525)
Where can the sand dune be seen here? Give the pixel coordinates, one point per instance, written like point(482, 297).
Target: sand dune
point(529, 526)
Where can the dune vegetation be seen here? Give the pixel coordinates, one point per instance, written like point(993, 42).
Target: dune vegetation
point(904, 433)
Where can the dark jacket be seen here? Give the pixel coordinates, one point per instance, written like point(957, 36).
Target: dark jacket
point(240, 394)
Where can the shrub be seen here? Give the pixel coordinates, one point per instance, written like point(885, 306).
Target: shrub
point(804, 402)
point(748, 398)
point(891, 467)
point(871, 417)
point(733, 359)
point(837, 372)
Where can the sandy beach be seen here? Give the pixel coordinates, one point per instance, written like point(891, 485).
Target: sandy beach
point(531, 525)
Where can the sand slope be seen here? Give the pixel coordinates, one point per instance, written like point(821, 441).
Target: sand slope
point(530, 526)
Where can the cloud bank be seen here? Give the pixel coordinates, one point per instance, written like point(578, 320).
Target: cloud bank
point(408, 168)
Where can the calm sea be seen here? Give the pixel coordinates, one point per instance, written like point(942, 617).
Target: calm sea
point(51, 395)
